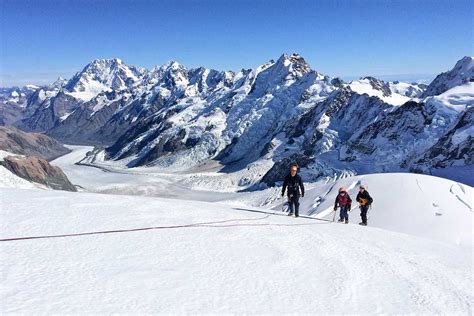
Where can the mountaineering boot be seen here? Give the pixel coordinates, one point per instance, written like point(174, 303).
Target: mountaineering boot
point(297, 215)
point(363, 224)
point(290, 214)
point(340, 220)
point(347, 221)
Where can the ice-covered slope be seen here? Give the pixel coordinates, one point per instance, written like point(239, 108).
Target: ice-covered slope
point(10, 180)
point(204, 257)
point(383, 90)
point(462, 73)
point(408, 137)
point(413, 90)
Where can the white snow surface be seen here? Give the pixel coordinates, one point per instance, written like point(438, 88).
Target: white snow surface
point(91, 90)
point(233, 252)
point(241, 262)
point(405, 89)
point(10, 180)
point(434, 203)
point(363, 86)
point(4, 153)
point(457, 98)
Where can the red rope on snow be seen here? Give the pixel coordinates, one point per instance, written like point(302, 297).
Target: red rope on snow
point(132, 229)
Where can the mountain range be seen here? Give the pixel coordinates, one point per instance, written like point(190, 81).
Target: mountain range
point(256, 119)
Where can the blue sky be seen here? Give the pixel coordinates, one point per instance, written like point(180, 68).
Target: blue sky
point(41, 39)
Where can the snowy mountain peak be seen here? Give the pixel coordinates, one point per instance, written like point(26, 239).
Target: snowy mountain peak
point(295, 62)
point(174, 73)
point(170, 65)
point(102, 75)
point(100, 65)
point(105, 61)
point(59, 83)
point(380, 85)
point(466, 63)
point(462, 73)
point(285, 71)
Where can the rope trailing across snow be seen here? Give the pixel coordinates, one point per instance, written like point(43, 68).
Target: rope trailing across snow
point(132, 229)
point(204, 224)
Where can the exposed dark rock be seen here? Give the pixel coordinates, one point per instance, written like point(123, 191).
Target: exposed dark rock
point(191, 142)
point(337, 82)
point(38, 170)
point(267, 148)
point(164, 147)
point(380, 86)
point(18, 142)
point(175, 143)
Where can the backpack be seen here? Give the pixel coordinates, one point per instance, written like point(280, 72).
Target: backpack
point(343, 199)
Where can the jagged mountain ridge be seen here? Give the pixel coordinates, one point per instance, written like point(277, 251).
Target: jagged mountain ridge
point(282, 110)
point(462, 72)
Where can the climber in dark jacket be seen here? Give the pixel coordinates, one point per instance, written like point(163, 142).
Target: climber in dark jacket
point(365, 200)
point(294, 183)
point(343, 200)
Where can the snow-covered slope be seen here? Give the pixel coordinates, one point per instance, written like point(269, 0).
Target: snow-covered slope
point(412, 90)
point(10, 180)
point(422, 199)
point(385, 91)
point(410, 136)
point(415, 204)
point(462, 73)
point(171, 256)
point(233, 252)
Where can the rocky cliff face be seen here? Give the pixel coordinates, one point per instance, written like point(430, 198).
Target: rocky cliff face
point(16, 141)
point(38, 170)
point(29, 155)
